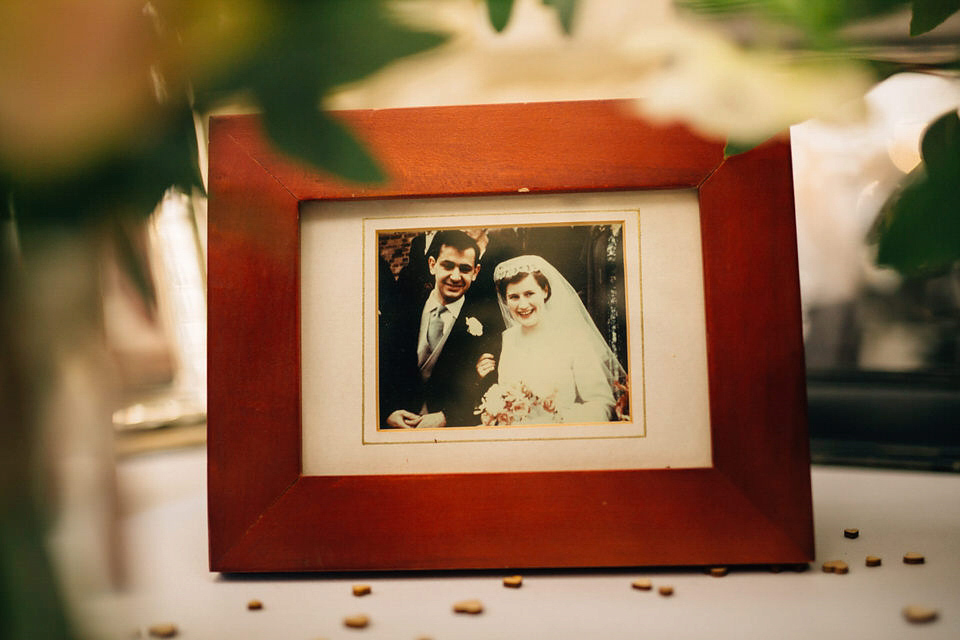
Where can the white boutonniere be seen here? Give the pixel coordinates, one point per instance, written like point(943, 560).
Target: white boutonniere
point(474, 327)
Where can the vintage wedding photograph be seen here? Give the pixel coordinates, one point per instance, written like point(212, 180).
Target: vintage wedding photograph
point(502, 326)
point(553, 332)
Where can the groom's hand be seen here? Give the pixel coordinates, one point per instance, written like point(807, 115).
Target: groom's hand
point(486, 364)
point(433, 420)
point(403, 419)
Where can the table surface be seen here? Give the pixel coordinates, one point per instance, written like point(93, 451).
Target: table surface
point(163, 528)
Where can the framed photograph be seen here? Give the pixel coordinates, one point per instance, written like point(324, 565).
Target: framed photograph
point(557, 336)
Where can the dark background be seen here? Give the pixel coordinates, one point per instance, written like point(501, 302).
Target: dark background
point(590, 257)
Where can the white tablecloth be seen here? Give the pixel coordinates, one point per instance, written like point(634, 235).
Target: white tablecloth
point(164, 529)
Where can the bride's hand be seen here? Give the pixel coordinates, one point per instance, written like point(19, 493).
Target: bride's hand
point(486, 364)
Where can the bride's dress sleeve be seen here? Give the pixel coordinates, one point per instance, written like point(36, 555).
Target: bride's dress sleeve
point(592, 387)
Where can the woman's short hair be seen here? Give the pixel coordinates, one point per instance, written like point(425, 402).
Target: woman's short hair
point(520, 275)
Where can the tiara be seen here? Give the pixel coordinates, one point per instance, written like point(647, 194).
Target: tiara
point(520, 264)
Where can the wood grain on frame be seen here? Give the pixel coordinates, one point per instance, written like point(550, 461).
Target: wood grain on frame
point(752, 506)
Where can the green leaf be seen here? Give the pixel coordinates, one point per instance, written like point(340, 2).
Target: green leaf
point(929, 14)
point(736, 147)
point(306, 133)
point(940, 147)
point(818, 18)
point(321, 44)
point(340, 41)
point(311, 48)
point(918, 230)
point(499, 12)
point(565, 12)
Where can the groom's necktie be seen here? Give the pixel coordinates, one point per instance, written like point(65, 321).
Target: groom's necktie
point(435, 327)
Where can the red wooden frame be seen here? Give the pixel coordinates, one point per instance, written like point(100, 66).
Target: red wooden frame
point(752, 506)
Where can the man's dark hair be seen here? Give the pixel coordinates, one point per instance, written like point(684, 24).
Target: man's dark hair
point(456, 239)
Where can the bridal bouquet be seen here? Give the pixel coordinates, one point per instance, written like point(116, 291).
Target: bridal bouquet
point(516, 404)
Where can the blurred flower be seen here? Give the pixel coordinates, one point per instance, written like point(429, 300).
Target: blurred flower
point(844, 174)
point(674, 69)
point(74, 79)
point(725, 91)
point(81, 78)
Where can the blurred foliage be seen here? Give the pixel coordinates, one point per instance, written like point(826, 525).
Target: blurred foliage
point(733, 148)
point(186, 59)
point(98, 114)
point(818, 19)
point(929, 14)
point(821, 21)
point(311, 48)
point(918, 231)
point(130, 181)
point(283, 56)
point(98, 119)
point(499, 12)
point(565, 12)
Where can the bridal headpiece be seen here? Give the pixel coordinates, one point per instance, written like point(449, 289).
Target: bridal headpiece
point(520, 264)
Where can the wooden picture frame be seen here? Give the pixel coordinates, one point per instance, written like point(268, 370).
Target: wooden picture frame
point(751, 506)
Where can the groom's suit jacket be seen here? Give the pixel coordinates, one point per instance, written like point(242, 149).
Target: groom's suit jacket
point(453, 385)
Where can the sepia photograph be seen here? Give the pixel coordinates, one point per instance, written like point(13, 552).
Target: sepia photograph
point(548, 332)
point(502, 326)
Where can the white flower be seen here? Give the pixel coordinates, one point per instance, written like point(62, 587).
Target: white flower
point(724, 90)
point(474, 327)
point(674, 69)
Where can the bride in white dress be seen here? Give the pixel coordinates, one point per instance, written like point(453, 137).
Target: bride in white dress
point(551, 346)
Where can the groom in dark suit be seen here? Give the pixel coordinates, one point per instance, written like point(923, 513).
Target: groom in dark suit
point(430, 346)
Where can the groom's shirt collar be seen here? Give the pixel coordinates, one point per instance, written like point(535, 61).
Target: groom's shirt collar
point(433, 301)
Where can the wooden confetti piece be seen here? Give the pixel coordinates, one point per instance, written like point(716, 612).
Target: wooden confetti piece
point(918, 614)
point(358, 621)
point(873, 561)
point(913, 558)
point(718, 572)
point(514, 582)
point(254, 605)
point(836, 566)
point(851, 533)
point(468, 606)
point(163, 630)
point(644, 584)
point(666, 590)
point(361, 589)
